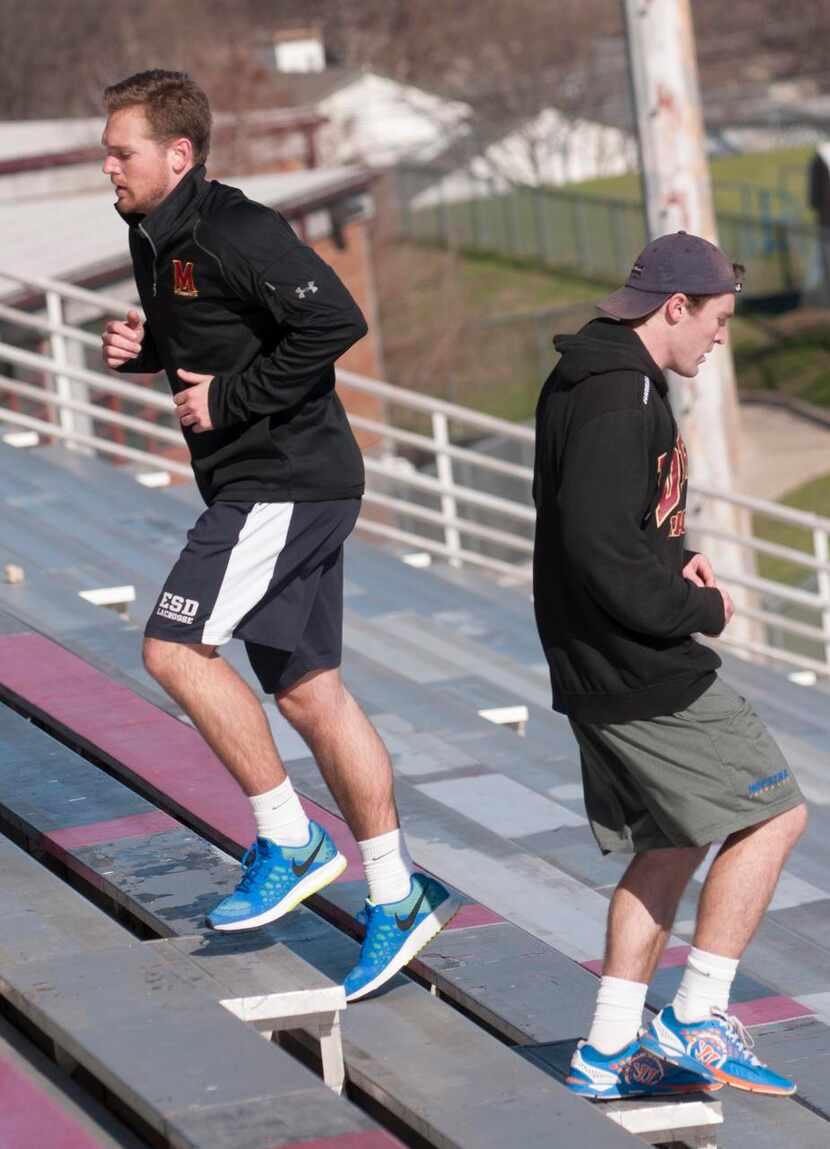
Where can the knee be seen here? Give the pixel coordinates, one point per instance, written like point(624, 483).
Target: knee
point(159, 658)
point(166, 661)
point(794, 822)
point(309, 699)
point(668, 867)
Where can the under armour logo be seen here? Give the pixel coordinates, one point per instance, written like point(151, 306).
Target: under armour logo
point(303, 291)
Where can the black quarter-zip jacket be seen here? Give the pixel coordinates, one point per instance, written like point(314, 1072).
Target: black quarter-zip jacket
point(230, 291)
point(614, 613)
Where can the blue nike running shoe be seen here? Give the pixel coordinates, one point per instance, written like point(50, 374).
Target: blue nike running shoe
point(631, 1072)
point(397, 931)
point(719, 1048)
point(276, 879)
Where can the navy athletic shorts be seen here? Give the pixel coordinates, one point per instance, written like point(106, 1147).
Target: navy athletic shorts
point(268, 573)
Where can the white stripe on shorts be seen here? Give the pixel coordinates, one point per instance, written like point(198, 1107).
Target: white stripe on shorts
point(250, 569)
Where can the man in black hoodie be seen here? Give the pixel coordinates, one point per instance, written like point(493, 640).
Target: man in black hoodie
point(672, 759)
point(247, 323)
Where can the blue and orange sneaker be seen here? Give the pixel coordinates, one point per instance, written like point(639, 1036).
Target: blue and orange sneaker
point(397, 931)
point(631, 1072)
point(276, 879)
point(719, 1048)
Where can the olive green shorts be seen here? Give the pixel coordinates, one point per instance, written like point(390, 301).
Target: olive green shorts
point(683, 779)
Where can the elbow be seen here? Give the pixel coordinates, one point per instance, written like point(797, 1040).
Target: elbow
point(359, 326)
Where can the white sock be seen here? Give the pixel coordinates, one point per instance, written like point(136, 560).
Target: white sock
point(618, 1014)
point(280, 817)
point(388, 867)
point(706, 983)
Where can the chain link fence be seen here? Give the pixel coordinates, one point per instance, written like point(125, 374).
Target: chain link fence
point(599, 237)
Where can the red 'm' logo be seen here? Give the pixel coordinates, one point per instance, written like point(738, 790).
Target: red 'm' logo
point(183, 279)
point(673, 487)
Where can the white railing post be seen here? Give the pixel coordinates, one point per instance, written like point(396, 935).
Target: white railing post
point(443, 470)
point(57, 345)
point(62, 385)
point(822, 553)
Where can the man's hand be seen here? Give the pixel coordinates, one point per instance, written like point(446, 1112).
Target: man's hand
point(728, 606)
point(699, 571)
point(122, 341)
point(192, 404)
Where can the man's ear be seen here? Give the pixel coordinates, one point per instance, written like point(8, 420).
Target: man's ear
point(676, 307)
point(181, 152)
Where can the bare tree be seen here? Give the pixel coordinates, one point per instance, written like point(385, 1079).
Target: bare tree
point(55, 59)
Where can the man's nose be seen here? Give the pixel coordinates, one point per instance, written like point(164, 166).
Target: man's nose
point(109, 166)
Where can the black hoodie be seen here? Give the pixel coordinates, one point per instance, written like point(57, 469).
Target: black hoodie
point(614, 612)
point(230, 291)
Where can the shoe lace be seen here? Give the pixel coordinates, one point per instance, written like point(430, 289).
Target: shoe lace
point(251, 861)
point(739, 1033)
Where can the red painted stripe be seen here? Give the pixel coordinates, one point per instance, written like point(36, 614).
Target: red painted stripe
point(474, 915)
point(673, 956)
point(30, 1117)
point(594, 966)
point(367, 1139)
point(132, 826)
point(764, 1010)
point(168, 755)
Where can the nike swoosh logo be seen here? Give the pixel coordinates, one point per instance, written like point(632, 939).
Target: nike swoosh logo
point(305, 866)
point(407, 922)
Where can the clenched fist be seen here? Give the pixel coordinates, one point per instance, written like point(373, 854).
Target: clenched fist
point(192, 404)
point(122, 341)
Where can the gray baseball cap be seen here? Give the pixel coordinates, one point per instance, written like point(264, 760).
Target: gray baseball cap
point(672, 263)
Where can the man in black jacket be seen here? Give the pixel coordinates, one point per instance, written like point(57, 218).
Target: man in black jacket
point(247, 322)
point(672, 759)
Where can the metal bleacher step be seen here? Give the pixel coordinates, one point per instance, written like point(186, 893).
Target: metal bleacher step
point(473, 983)
point(432, 724)
point(184, 1065)
point(158, 1042)
point(40, 1105)
point(434, 1070)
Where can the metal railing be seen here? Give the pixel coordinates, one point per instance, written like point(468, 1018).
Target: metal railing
point(441, 478)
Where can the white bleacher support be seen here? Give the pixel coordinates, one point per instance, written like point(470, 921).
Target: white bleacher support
point(21, 438)
point(513, 716)
point(315, 1011)
point(692, 1122)
point(115, 597)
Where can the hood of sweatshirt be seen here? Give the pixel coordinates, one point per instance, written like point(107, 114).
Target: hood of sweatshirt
point(600, 347)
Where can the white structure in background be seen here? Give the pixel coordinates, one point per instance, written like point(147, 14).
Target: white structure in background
point(22, 140)
point(377, 121)
point(551, 149)
point(299, 50)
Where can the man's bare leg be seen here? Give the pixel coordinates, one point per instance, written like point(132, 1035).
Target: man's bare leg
point(348, 750)
point(642, 911)
point(742, 880)
point(696, 1031)
point(223, 708)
